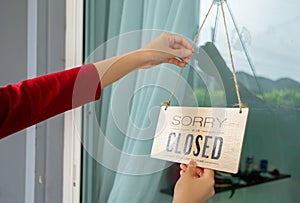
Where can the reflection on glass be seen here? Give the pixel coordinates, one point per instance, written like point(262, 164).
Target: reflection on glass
point(269, 82)
point(269, 31)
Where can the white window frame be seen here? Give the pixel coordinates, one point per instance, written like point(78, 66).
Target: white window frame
point(73, 118)
point(31, 73)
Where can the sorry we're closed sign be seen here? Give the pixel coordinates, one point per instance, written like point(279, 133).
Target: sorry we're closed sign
point(213, 137)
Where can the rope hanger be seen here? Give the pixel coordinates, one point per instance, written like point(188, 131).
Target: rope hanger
point(240, 104)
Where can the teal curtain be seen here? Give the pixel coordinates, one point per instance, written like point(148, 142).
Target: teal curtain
point(119, 129)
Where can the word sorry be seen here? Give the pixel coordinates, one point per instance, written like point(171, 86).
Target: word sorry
point(198, 121)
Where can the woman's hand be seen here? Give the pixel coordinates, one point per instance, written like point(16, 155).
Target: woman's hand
point(169, 48)
point(195, 184)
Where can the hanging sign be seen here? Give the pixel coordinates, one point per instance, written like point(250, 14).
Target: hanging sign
point(213, 137)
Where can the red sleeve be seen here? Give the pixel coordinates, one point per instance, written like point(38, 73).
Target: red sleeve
point(34, 100)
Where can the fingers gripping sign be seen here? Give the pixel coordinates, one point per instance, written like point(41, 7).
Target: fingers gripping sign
point(195, 184)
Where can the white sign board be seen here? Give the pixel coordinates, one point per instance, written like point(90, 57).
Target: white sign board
point(213, 137)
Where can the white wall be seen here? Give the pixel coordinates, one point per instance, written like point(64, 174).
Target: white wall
point(13, 68)
point(49, 138)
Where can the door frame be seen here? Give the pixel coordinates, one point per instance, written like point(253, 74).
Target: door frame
point(73, 118)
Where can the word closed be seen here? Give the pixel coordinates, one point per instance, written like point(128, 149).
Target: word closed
point(211, 147)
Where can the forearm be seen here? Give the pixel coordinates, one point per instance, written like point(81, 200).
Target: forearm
point(184, 198)
point(112, 69)
point(166, 48)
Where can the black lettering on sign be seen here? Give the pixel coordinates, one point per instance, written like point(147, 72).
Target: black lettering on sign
point(169, 142)
point(196, 153)
point(177, 144)
point(218, 143)
point(210, 148)
point(205, 146)
point(188, 144)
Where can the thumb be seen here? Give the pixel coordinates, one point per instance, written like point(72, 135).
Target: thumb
point(191, 169)
point(208, 173)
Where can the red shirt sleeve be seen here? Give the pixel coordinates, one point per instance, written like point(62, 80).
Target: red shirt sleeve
point(34, 100)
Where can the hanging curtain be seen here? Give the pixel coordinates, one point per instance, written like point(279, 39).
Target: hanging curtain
point(116, 163)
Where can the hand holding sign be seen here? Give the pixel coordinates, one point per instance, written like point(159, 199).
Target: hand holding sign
point(194, 188)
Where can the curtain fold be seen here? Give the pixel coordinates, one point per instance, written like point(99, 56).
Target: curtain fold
point(117, 166)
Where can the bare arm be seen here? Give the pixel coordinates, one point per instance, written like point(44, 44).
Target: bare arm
point(32, 101)
point(164, 49)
